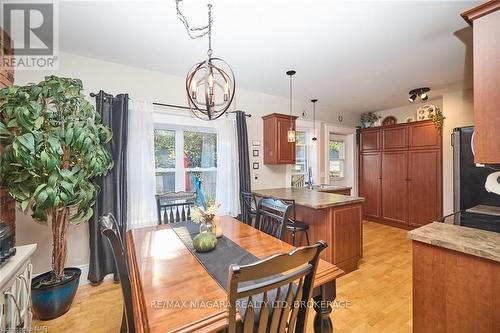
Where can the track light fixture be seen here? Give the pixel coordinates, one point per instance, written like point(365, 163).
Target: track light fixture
point(419, 92)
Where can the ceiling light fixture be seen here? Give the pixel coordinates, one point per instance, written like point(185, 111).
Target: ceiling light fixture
point(291, 130)
point(314, 138)
point(210, 84)
point(419, 92)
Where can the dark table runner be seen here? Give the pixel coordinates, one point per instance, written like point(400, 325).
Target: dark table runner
point(217, 261)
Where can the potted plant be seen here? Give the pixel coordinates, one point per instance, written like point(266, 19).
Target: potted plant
point(53, 147)
point(368, 119)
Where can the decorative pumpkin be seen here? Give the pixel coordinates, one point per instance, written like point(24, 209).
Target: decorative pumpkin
point(205, 242)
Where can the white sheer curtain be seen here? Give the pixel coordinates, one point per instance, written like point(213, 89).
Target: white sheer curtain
point(227, 187)
point(140, 166)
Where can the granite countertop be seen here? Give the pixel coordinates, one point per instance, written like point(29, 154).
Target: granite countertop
point(481, 243)
point(309, 198)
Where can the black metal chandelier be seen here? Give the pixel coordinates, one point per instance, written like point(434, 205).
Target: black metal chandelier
point(210, 84)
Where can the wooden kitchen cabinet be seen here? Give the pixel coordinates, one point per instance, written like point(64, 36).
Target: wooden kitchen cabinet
point(423, 135)
point(370, 140)
point(394, 137)
point(401, 181)
point(395, 186)
point(277, 149)
point(370, 183)
point(424, 186)
point(485, 21)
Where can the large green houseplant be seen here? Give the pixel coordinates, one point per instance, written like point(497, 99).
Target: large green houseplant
point(53, 146)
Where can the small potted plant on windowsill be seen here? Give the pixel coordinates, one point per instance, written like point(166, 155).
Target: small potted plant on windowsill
point(53, 146)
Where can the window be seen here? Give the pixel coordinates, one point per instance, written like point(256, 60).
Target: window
point(300, 168)
point(183, 156)
point(337, 158)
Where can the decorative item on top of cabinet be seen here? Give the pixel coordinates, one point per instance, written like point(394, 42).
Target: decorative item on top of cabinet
point(485, 19)
point(368, 119)
point(7, 204)
point(400, 178)
point(277, 148)
point(389, 120)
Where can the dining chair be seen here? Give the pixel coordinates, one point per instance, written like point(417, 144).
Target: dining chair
point(110, 229)
point(249, 207)
point(293, 225)
point(174, 206)
point(273, 294)
point(272, 216)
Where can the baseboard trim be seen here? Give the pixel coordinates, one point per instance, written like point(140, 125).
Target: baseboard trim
point(85, 273)
point(390, 223)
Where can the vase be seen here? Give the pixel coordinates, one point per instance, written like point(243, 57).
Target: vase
point(206, 226)
point(217, 227)
point(53, 300)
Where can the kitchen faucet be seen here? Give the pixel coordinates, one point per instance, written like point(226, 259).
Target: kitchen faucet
point(310, 180)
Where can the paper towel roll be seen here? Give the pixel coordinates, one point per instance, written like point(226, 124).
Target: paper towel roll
point(493, 183)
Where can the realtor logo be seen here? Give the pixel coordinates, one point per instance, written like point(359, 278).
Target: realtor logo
point(32, 29)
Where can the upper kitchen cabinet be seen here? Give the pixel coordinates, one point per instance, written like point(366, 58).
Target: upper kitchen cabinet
point(485, 20)
point(394, 137)
point(424, 135)
point(277, 149)
point(369, 140)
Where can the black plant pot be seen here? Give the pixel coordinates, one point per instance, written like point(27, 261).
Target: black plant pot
point(52, 301)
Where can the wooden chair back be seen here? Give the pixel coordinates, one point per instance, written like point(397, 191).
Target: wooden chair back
point(275, 291)
point(249, 207)
point(110, 229)
point(175, 206)
point(293, 215)
point(272, 214)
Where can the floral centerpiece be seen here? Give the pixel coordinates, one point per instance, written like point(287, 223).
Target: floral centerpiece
point(206, 218)
point(206, 240)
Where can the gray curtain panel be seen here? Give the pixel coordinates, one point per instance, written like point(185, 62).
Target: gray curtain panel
point(112, 197)
point(244, 160)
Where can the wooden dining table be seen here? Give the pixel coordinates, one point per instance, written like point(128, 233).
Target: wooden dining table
point(173, 292)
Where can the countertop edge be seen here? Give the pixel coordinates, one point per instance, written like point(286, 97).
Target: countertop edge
point(464, 241)
point(344, 200)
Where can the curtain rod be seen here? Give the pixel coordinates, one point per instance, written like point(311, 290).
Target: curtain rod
point(173, 105)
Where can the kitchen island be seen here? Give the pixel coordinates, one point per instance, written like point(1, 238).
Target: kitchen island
point(334, 218)
point(456, 279)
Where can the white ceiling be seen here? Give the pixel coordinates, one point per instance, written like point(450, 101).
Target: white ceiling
point(354, 56)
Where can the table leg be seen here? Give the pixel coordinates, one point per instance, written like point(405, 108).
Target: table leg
point(322, 320)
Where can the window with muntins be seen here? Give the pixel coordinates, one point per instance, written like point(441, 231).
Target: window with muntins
point(184, 155)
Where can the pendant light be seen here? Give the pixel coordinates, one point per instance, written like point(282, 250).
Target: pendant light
point(291, 130)
point(210, 84)
point(314, 138)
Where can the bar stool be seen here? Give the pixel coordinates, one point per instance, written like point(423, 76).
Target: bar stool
point(295, 226)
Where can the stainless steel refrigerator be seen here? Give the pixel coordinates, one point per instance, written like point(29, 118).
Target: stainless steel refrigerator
point(468, 179)
point(474, 206)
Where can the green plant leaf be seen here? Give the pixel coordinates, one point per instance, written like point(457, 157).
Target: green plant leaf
point(55, 145)
point(28, 141)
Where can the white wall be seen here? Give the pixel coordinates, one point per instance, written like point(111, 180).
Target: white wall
point(403, 112)
point(458, 109)
point(151, 86)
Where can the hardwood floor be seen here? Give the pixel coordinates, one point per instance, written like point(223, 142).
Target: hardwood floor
point(375, 298)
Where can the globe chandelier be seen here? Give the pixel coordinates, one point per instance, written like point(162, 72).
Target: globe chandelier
point(210, 84)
